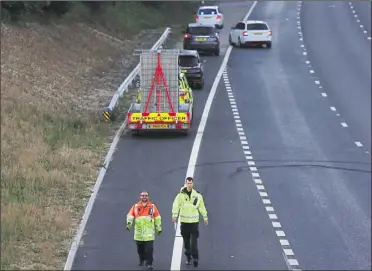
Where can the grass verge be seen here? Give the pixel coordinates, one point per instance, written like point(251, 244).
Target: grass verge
point(55, 78)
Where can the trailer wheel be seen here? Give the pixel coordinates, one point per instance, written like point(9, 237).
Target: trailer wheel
point(135, 132)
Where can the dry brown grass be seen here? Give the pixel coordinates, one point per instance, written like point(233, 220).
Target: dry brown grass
point(54, 81)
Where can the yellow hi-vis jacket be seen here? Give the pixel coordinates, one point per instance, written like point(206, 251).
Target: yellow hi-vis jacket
point(189, 208)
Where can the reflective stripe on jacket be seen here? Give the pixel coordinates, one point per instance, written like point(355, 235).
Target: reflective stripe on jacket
point(189, 208)
point(147, 221)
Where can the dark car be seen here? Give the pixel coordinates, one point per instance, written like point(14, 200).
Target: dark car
point(191, 64)
point(202, 37)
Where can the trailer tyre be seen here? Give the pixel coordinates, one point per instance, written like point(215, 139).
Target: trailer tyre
point(135, 132)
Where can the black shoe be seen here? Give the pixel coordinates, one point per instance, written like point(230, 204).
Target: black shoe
point(149, 266)
point(140, 263)
point(195, 262)
point(188, 261)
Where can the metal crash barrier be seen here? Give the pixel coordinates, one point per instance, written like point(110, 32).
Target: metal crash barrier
point(108, 110)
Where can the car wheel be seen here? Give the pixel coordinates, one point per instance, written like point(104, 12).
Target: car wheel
point(268, 45)
point(230, 41)
point(217, 52)
point(239, 43)
point(201, 85)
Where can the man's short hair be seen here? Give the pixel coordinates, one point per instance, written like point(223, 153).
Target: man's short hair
point(190, 179)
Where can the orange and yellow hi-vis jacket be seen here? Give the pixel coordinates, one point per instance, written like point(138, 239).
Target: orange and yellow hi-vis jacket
point(147, 221)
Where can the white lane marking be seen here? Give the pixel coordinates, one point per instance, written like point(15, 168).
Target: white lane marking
point(288, 254)
point(358, 144)
point(89, 207)
point(178, 241)
point(355, 15)
point(317, 82)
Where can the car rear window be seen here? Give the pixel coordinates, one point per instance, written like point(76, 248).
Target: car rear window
point(188, 61)
point(257, 27)
point(207, 11)
point(201, 30)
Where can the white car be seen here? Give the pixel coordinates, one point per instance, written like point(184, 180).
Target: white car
point(250, 33)
point(210, 15)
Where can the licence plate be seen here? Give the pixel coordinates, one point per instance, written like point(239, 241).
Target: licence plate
point(201, 39)
point(258, 33)
point(159, 126)
point(207, 17)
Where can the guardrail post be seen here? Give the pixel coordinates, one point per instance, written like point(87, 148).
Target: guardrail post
point(107, 114)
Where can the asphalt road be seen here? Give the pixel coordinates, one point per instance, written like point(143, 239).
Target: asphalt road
point(152, 162)
point(319, 182)
point(341, 56)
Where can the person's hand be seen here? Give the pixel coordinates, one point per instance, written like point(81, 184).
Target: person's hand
point(159, 232)
point(174, 219)
point(128, 226)
point(205, 222)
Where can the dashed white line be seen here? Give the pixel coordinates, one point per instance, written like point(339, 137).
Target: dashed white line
point(288, 253)
point(178, 241)
point(358, 144)
point(312, 71)
point(358, 20)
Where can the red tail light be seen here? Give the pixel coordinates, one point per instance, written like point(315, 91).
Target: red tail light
point(197, 17)
point(270, 33)
point(219, 17)
point(186, 36)
point(245, 33)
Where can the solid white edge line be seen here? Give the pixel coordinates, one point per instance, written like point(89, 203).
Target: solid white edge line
point(178, 241)
point(88, 209)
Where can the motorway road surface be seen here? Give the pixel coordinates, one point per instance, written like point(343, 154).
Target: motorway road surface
point(152, 162)
point(341, 56)
point(324, 209)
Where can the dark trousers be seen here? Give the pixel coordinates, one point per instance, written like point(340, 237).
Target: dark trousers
point(145, 251)
point(190, 235)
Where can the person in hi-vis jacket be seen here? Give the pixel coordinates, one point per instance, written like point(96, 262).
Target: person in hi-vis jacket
point(189, 204)
point(147, 222)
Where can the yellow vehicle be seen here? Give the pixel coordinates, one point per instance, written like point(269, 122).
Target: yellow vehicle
point(170, 107)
